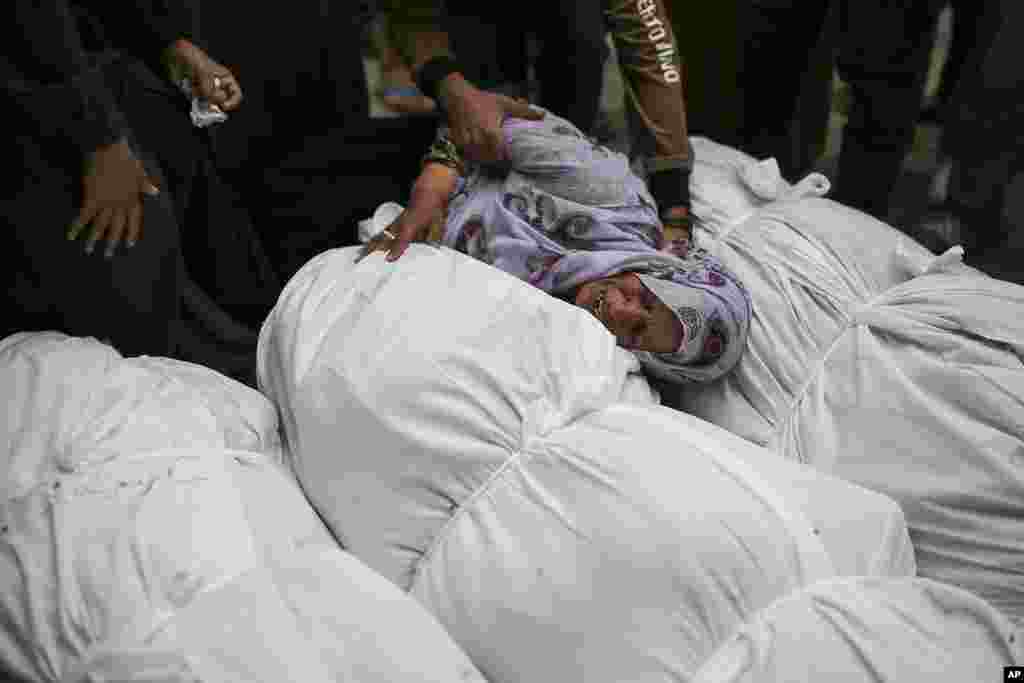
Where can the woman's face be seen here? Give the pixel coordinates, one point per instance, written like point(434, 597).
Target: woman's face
point(637, 318)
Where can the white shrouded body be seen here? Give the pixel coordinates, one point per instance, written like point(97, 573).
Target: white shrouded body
point(483, 445)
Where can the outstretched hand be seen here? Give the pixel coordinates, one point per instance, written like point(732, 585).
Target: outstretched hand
point(426, 205)
point(475, 117)
point(410, 226)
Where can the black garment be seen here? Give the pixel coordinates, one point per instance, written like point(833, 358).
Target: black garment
point(570, 66)
point(132, 300)
point(882, 50)
point(491, 44)
point(314, 198)
point(984, 131)
point(303, 152)
point(62, 101)
point(300, 70)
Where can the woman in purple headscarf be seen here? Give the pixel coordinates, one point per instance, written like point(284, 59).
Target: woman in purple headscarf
point(570, 217)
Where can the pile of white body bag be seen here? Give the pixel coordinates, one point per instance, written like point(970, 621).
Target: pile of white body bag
point(490, 450)
point(875, 360)
point(149, 532)
point(514, 503)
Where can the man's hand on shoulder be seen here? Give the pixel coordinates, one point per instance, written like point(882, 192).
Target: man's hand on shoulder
point(475, 117)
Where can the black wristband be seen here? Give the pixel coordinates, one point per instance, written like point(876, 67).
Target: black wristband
point(670, 188)
point(432, 73)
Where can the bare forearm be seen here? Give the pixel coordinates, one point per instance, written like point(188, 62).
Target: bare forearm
point(432, 189)
point(429, 198)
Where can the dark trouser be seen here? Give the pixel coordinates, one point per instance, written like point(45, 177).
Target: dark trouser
point(965, 26)
point(883, 50)
point(984, 132)
point(570, 67)
point(195, 240)
point(490, 41)
point(491, 44)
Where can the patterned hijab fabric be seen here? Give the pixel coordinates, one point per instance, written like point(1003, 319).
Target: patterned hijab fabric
point(566, 211)
point(714, 309)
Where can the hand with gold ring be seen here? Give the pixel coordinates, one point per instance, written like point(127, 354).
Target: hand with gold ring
point(410, 225)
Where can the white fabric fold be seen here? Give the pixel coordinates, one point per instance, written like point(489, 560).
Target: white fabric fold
point(876, 360)
point(864, 630)
point(137, 545)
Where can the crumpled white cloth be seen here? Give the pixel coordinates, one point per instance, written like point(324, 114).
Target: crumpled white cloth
point(765, 180)
point(149, 532)
point(384, 215)
point(866, 630)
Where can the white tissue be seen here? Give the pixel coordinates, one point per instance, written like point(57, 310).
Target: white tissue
point(203, 113)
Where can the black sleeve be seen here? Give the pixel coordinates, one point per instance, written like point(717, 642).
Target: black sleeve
point(144, 28)
point(48, 78)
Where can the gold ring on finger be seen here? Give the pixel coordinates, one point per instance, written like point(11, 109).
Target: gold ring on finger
point(387, 233)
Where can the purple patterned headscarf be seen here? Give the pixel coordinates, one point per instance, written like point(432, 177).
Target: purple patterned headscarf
point(714, 310)
point(568, 211)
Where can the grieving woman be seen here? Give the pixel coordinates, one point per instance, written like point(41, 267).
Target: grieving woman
point(570, 217)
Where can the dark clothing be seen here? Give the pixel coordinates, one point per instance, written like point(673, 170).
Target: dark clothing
point(984, 132)
point(570, 66)
point(65, 93)
point(314, 197)
point(965, 27)
point(132, 300)
point(491, 45)
point(301, 71)
point(303, 151)
point(882, 52)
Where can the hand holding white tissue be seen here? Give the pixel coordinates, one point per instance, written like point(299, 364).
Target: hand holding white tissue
point(203, 112)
